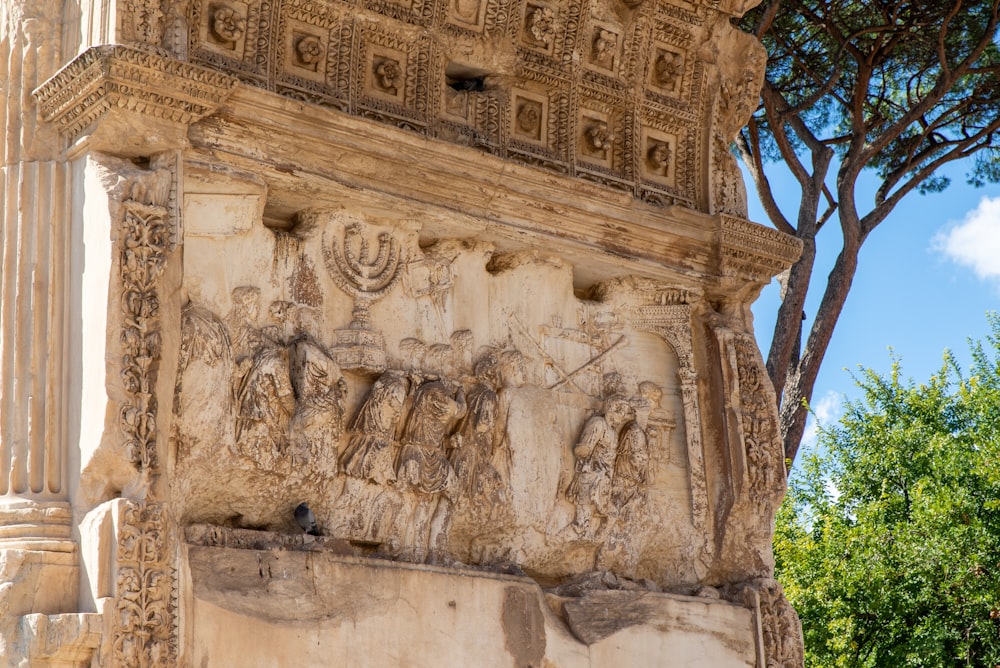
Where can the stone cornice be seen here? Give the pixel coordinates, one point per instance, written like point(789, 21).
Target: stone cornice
point(312, 156)
point(106, 80)
point(754, 252)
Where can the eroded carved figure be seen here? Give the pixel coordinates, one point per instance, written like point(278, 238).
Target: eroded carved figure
point(424, 469)
point(371, 451)
point(595, 453)
point(473, 461)
point(320, 391)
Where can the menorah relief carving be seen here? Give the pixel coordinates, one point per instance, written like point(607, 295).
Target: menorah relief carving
point(366, 276)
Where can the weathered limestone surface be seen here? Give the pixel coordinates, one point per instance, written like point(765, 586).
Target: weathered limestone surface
point(403, 332)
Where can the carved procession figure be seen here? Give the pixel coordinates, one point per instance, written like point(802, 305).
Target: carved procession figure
point(265, 397)
point(472, 462)
point(512, 377)
point(320, 390)
point(595, 453)
point(423, 465)
point(369, 461)
point(478, 485)
point(371, 450)
point(632, 462)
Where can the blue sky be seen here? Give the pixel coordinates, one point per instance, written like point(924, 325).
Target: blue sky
point(927, 276)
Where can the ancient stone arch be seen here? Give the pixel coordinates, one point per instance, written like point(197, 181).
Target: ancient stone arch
point(428, 316)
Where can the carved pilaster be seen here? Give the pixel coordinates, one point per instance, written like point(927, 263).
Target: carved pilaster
point(144, 624)
point(33, 322)
point(776, 625)
point(143, 246)
point(38, 560)
point(755, 451)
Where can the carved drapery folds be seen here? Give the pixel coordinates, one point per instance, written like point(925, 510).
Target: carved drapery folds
point(550, 423)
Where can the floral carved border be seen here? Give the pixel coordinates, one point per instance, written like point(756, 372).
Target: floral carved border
point(144, 623)
point(144, 629)
point(144, 244)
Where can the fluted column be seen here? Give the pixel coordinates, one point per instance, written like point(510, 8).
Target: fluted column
point(38, 560)
point(32, 321)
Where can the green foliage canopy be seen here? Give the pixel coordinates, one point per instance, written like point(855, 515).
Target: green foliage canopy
point(888, 544)
point(896, 89)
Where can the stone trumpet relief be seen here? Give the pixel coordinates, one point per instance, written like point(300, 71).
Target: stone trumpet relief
point(439, 401)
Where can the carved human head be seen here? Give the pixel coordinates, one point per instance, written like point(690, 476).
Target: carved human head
point(246, 302)
point(617, 410)
point(388, 394)
point(651, 392)
point(612, 383)
point(512, 368)
point(413, 352)
point(440, 359)
point(487, 368)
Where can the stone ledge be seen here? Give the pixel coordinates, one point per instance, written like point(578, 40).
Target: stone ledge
point(260, 606)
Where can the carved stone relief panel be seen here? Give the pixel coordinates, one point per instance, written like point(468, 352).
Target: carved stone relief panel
point(666, 72)
point(659, 157)
point(443, 403)
point(312, 51)
point(537, 115)
point(541, 26)
point(603, 137)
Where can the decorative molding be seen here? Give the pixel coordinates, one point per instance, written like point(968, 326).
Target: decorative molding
point(105, 79)
point(754, 252)
point(385, 60)
point(37, 525)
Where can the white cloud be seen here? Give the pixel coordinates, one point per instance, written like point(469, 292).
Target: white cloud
point(975, 241)
point(824, 412)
